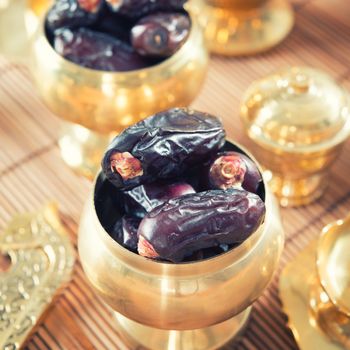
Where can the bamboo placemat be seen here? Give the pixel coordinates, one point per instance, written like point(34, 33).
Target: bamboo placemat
point(32, 172)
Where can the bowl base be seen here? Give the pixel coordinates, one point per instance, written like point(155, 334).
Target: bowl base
point(136, 335)
point(82, 149)
point(232, 31)
point(297, 192)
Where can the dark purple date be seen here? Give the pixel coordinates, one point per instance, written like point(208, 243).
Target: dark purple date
point(162, 146)
point(192, 222)
point(125, 232)
point(233, 169)
point(161, 34)
point(140, 8)
point(144, 198)
point(96, 50)
point(72, 13)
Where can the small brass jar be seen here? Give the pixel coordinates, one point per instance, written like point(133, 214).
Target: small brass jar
point(99, 103)
point(243, 27)
point(187, 306)
point(298, 120)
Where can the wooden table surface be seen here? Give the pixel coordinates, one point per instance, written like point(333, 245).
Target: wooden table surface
point(32, 172)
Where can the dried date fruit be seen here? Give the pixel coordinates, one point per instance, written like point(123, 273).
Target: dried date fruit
point(140, 8)
point(125, 232)
point(233, 169)
point(144, 198)
point(161, 147)
point(192, 222)
point(160, 34)
point(73, 13)
point(97, 50)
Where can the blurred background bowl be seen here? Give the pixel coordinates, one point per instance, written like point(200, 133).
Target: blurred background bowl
point(100, 103)
point(243, 27)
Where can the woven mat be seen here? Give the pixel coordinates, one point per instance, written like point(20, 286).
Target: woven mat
point(32, 172)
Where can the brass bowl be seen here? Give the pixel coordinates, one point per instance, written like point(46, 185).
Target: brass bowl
point(243, 27)
point(197, 305)
point(110, 101)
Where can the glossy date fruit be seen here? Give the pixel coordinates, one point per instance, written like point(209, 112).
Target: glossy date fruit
point(140, 8)
point(192, 222)
point(161, 147)
point(73, 13)
point(96, 50)
point(160, 34)
point(233, 169)
point(144, 198)
point(125, 232)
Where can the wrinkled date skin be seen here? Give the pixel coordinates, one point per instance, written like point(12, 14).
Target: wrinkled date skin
point(140, 8)
point(97, 50)
point(73, 13)
point(125, 232)
point(160, 35)
point(233, 169)
point(192, 222)
point(144, 198)
point(161, 147)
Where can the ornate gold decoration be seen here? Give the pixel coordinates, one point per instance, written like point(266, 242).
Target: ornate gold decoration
point(42, 260)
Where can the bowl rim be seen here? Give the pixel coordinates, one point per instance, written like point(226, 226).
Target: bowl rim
point(194, 33)
point(206, 266)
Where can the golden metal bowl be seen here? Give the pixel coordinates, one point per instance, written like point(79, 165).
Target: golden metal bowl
point(110, 101)
point(243, 27)
point(197, 305)
point(106, 102)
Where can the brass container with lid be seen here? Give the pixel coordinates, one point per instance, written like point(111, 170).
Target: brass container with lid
point(298, 120)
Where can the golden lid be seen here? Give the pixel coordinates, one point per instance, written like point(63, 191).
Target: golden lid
point(296, 108)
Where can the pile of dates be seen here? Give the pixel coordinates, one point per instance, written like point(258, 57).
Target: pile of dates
point(117, 35)
point(174, 190)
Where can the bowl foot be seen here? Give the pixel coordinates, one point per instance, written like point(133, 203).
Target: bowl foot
point(137, 335)
point(297, 192)
point(82, 149)
point(246, 30)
